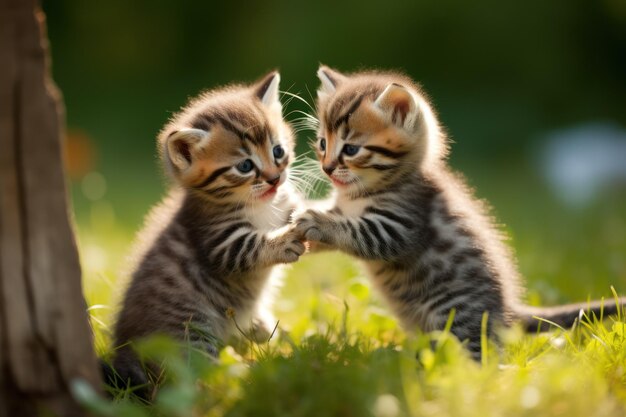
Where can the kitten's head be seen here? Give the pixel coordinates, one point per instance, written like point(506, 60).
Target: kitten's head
point(374, 128)
point(230, 145)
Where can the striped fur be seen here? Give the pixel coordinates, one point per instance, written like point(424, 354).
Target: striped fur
point(428, 244)
point(209, 249)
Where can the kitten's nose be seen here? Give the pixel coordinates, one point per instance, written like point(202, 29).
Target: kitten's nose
point(328, 169)
point(273, 181)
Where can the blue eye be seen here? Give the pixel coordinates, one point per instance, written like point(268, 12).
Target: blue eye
point(323, 144)
point(278, 151)
point(245, 166)
point(350, 150)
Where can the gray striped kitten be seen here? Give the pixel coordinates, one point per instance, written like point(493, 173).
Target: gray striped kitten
point(427, 243)
point(209, 249)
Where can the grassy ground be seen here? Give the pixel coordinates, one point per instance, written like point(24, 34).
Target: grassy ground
point(340, 352)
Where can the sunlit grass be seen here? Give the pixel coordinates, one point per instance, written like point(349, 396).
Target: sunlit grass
point(341, 353)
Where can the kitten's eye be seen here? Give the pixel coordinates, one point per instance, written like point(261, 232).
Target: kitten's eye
point(323, 144)
point(278, 151)
point(245, 166)
point(350, 150)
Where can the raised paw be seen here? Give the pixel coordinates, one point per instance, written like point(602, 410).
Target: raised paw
point(307, 226)
point(294, 250)
point(290, 247)
point(261, 331)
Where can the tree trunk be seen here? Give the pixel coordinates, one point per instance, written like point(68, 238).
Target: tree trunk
point(45, 339)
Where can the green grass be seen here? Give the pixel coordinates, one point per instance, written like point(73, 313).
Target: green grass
point(341, 353)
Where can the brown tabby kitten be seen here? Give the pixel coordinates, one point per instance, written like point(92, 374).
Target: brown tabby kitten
point(209, 248)
point(428, 245)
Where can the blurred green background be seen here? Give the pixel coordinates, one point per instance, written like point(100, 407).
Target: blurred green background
point(503, 76)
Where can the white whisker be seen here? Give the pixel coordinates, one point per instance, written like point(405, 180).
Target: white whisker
point(292, 95)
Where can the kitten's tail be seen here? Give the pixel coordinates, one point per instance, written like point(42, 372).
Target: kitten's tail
point(566, 315)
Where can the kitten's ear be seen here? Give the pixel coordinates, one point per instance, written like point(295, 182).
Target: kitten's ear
point(266, 90)
point(183, 145)
point(398, 103)
point(330, 79)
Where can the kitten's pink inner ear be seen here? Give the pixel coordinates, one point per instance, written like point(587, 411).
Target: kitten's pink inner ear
point(330, 79)
point(182, 148)
point(267, 89)
point(397, 101)
point(182, 144)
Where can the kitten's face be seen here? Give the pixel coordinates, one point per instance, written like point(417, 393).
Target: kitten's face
point(373, 128)
point(231, 145)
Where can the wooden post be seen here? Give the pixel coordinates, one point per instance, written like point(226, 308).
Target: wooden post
point(45, 339)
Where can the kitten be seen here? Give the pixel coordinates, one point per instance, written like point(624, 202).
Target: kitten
point(210, 247)
point(428, 244)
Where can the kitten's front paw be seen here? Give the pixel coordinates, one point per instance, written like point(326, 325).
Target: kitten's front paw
point(290, 247)
point(308, 226)
point(261, 331)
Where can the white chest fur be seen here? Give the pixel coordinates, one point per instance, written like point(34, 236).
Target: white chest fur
point(352, 208)
point(269, 216)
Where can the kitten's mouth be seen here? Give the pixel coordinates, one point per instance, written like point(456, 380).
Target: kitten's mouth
point(269, 193)
point(339, 182)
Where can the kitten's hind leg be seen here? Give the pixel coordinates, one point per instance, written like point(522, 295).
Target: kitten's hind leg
point(126, 372)
point(201, 337)
point(467, 327)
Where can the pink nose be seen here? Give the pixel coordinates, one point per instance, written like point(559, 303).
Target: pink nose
point(273, 181)
point(328, 169)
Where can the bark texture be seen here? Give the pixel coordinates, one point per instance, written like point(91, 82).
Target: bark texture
point(45, 339)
